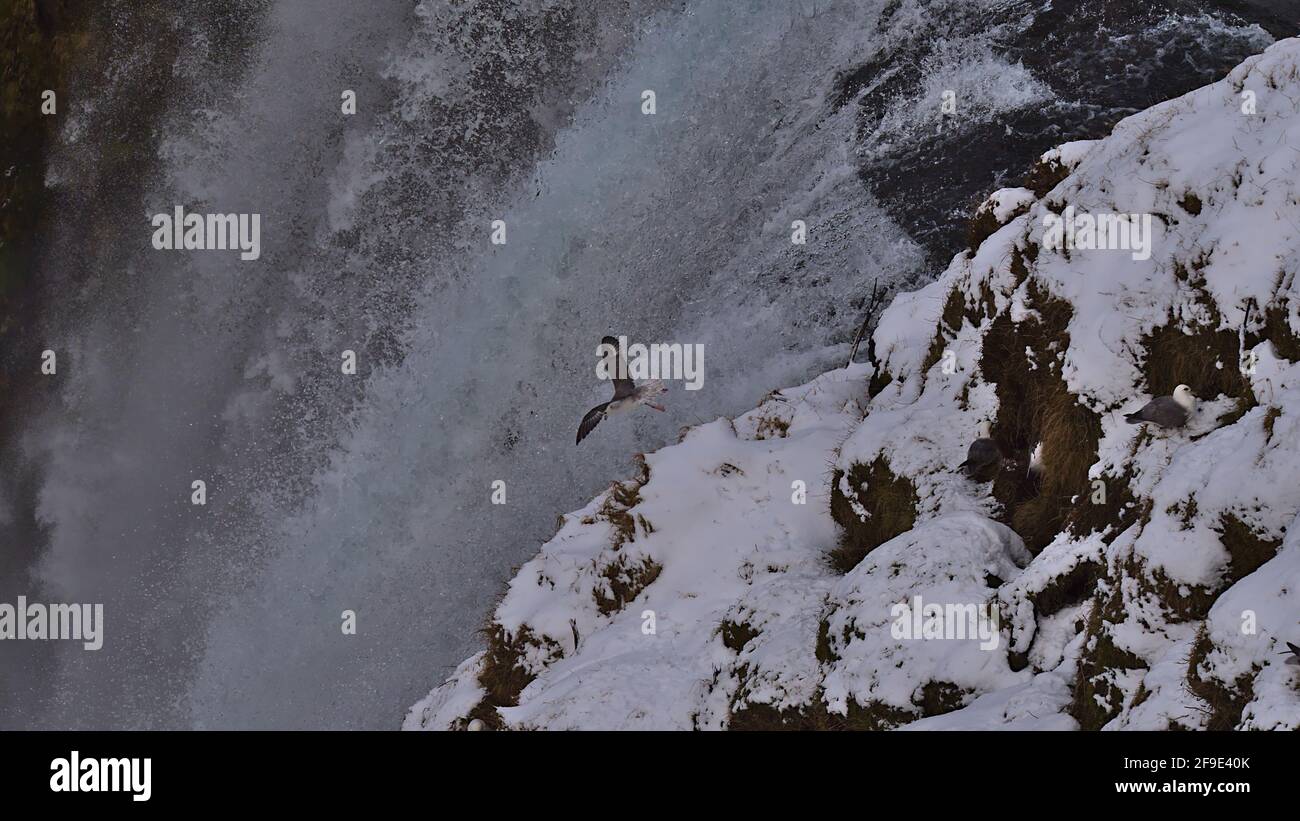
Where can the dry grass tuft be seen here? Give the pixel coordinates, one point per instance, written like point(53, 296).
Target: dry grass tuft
point(1226, 703)
point(1044, 176)
point(1247, 551)
point(623, 582)
point(772, 427)
point(1096, 699)
point(1024, 362)
point(623, 496)
point(735, 635)
point(1068, 589)
point(764, 717)
point(1277, 329)
point(889, 501)
point(504, 675)
point(1206, 360)
point(1190, 203)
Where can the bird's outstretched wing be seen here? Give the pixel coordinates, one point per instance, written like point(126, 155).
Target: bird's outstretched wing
point(622, 387)
point(591, 420)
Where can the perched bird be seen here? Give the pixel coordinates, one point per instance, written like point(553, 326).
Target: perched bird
point(1292, 651)
point(1166, 411)
point(627, 395)
point(983, 457)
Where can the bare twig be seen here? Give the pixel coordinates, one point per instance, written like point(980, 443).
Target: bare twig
point(872, 304)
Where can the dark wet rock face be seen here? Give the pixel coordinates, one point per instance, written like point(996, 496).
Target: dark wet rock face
point(1098, 63)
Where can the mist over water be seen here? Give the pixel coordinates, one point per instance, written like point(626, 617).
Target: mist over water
point(371, 492)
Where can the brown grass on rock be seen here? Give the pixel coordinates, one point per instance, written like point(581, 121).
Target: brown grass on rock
point(504, 675)
point(1226, 702)
point(890, 502)
point(1023, 360)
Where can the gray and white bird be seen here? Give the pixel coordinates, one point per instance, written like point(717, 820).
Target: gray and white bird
point(983, 456)
point(627, 394)
point(1166, 411)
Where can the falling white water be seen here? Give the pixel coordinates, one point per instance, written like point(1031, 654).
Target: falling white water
point(372, 493)
point(668, 227)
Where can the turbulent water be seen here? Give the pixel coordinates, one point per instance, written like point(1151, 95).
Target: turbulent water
point(372, 493)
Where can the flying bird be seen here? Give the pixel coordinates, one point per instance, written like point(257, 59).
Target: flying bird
point(983, 456)
point(627, 395)
point(1166, 411)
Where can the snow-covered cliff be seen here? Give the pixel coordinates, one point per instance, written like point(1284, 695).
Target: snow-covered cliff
point(1145, 579)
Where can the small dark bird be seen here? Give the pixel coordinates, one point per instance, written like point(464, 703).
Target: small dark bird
point(983, 457)
point(627, 395)
point(1166, 411)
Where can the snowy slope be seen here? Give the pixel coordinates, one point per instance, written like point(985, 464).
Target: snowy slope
point(1146, 579)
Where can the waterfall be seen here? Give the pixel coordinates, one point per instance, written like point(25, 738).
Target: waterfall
point(329, 492)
